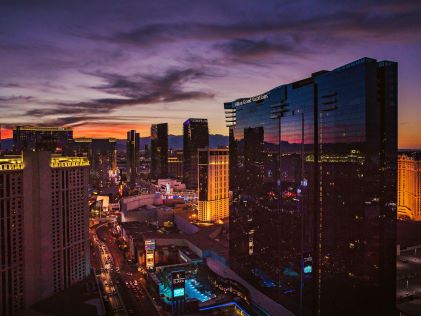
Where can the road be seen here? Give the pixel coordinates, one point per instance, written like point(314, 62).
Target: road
point(104, 263)
point(127, 279)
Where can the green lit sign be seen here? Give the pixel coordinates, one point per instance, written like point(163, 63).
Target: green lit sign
point(179, 292)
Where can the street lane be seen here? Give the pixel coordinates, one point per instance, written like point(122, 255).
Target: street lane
point(104, 262)
point(127, 278)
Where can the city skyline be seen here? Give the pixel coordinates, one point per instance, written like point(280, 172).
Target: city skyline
point(175, 158)
point(109, 68)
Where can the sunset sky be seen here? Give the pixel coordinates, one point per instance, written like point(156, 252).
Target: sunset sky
point(104, 67)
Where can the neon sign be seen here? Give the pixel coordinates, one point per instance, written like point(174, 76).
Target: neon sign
point(178, 292)
point(252, 99)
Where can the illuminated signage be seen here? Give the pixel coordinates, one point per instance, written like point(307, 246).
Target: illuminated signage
point(11, 164)
point(150, 259)
point(63, 162)
point(150, 253)
point(178, 292)
point(178, 281)
point(193, 120)
point(252, 99)
point(150, 244)
point(308, 264)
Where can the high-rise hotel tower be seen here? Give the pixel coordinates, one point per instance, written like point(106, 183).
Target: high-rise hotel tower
point(313, 175)
point(409, 187)
point(213, 190)
point(44, 242)
point(52, 139)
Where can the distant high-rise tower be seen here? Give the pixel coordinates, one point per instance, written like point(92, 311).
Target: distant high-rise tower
point(132, 152)
point(175, 164)
point(195, 136)
point(159, 150)
point(53, 139)
point(409, 187)
point(102, 155)
point(103, 162)
point(213, 184)
point(44, 244)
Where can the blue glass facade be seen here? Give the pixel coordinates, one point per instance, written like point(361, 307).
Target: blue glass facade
point(313, 175)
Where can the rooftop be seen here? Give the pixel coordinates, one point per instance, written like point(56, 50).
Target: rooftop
point(42, 129)
point(11, 163)
point(63, 162)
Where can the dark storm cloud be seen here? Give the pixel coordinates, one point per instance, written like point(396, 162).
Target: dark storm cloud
point(83, 120)
point(15, 98)
point(132, 90)
point(379, 19)
point(10, 85)
point(247, 49)
point(146, 89)
point(80, 108)
point(164, 33)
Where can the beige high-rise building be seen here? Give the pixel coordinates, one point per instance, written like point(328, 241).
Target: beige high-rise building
point(213, 187)
point(409, 187)
point(44, 241)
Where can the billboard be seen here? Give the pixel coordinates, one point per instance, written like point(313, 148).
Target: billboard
point(150, 259)
point(178, 292)
point(178, 283)
point(150, 244)
point(150, 253)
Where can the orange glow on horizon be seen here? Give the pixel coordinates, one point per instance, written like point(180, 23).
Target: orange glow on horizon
point(115, 131)
point(6, 133)
point(95, 131)
point(408, 138)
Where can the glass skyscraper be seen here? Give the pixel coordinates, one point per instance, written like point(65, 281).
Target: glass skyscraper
point(313, 175)
point(159, 151)
point(195, 136)
point(132, 154)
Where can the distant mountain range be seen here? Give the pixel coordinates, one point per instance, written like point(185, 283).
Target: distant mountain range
point(174, 142)
point(7, 143)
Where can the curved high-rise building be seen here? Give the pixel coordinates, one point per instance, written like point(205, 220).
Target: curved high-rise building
point(313, 175)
